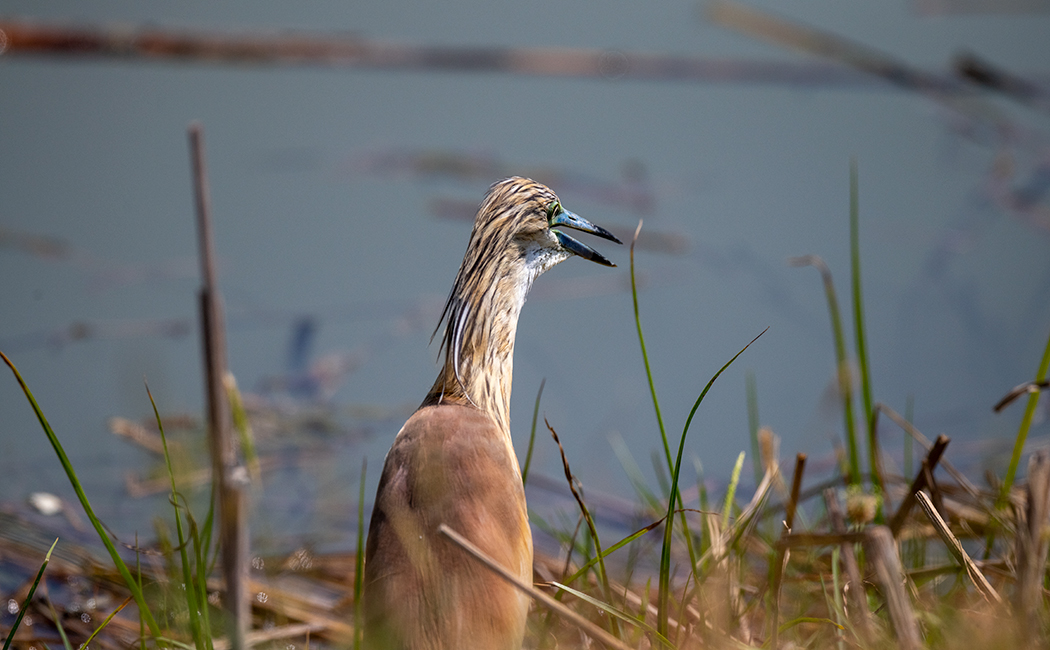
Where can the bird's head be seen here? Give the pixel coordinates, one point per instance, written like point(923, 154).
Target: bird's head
point(517, 236)
point(524, 221)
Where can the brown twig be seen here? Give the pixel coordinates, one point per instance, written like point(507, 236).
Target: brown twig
point(931, 485)
point(1015, 392)
point(920, 482)
point(959, 477)
point(783, 554)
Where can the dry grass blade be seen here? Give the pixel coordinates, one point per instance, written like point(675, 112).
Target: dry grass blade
point(586, 626)
point(1033, 542)
point(882, 552)
point(783, 554)
point(298, 603)
point(137, 434)
point(957, 550)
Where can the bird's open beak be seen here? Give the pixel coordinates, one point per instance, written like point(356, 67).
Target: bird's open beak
point(576, 222)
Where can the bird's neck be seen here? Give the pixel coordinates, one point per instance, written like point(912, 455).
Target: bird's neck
point(479, 339)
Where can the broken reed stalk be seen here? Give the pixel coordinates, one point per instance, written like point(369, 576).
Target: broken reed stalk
point(928, 465)
point(956, 549)
point(1033, 543)
point(935, 492)
point(916, 435)
point(783, 554)
point(855, 591)
point(229, 478)
point(882, 556)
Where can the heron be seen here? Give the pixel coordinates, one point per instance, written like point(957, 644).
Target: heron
point(453, 461)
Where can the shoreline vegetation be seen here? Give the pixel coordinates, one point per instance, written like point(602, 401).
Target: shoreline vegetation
point(878, 555)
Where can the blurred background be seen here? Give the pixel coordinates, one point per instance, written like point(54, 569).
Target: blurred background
point(343, 197)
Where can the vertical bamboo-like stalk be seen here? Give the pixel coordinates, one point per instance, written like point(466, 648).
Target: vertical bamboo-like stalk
point(229, 478)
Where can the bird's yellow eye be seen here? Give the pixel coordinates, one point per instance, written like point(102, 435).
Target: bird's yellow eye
point(553, 210)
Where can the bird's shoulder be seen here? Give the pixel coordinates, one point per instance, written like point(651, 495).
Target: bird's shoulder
point(447, 450)
point(449, 430)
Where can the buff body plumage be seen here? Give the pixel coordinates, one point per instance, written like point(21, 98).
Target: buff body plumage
point(453, 462)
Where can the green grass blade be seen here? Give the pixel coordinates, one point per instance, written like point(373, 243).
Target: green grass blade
point(58, 624)
point(734, 479)
point(859, 328)
point(656, 401)
point(201, 583)
point(29, 596)
point(532, 433)
point(645, 355)
point(836, 604)
point(1026, 423)
point(174, 643)
point(122, 568)
point(701, 489)
point(751, 388)
point(634, 473)
point(609, 551)
point(359, 561)
point(138, 581)
point(192, 605)
point(665, 551)
point(623, 616)
point(105, 622)
point(841, 361)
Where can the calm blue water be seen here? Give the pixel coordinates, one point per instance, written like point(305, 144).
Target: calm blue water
point(322, 213)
